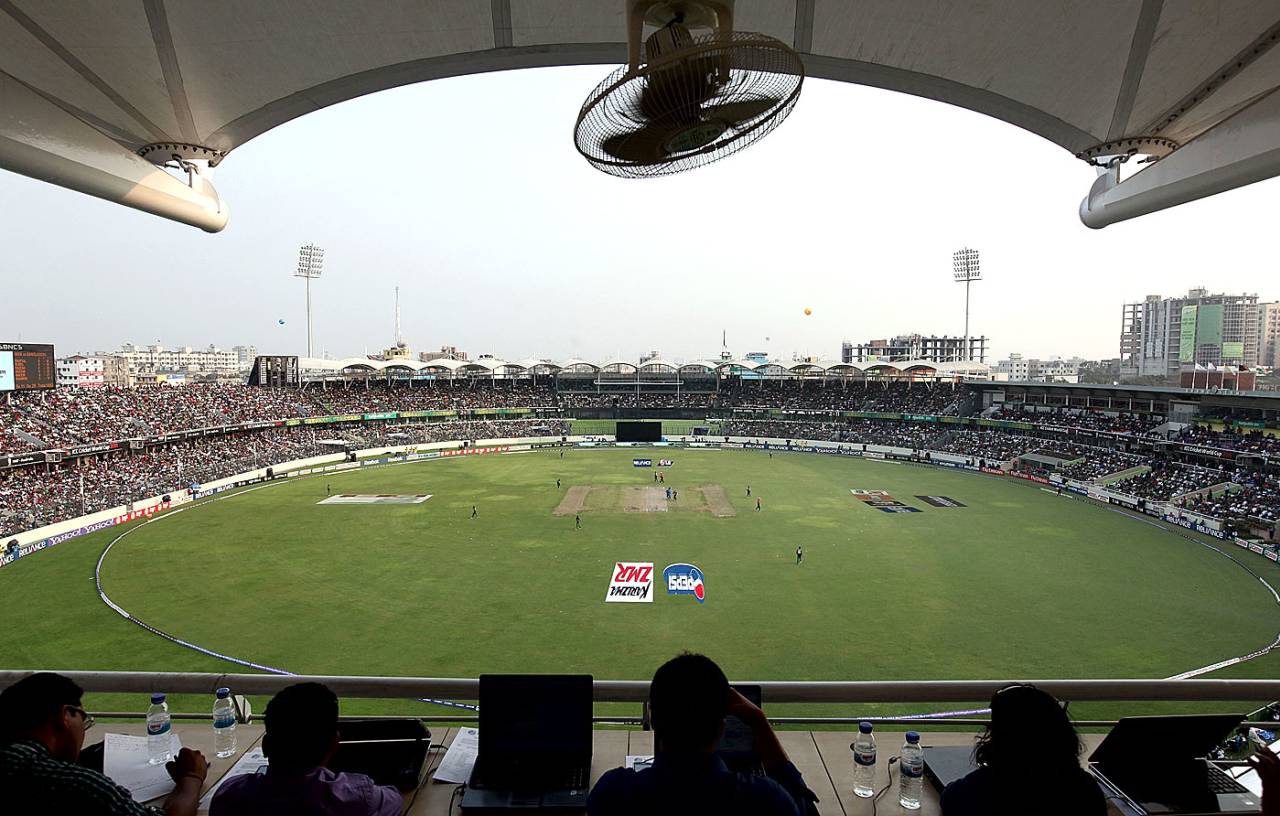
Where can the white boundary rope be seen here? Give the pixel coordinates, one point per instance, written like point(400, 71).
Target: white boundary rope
point(97, 577)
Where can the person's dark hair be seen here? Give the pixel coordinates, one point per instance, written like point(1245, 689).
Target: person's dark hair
point(1023, 716)
point(688, 700)
point(301, 721)
point(33, 701)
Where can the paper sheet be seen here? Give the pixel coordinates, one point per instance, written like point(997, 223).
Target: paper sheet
point(639, 762)
point(124, 760)
point(249, 763)
point(460, 758)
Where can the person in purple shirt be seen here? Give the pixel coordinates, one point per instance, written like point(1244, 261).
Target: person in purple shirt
point(301, 738)
point(689, 699)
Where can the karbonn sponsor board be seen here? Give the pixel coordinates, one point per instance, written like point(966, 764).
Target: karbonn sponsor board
point(148, 512)
point(642, 463)
point(631, 582)
point(685, 579)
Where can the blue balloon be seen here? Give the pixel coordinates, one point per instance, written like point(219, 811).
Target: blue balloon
point(281, 322)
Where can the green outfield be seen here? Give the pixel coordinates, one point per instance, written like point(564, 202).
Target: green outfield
point(1018, 582)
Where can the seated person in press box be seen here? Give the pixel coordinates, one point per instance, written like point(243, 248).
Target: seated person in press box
point(1030, 753)
point(42, 729)
point(301, 738)
point(689, 699)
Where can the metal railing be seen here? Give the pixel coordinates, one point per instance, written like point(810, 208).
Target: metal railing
point(635, 691)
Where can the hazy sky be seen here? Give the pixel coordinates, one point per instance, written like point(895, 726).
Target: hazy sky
point(469, 195)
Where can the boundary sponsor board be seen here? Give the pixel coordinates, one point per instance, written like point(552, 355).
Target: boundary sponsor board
point(940, 501)
point(147, 512)
point(666, 462)
point(475, 451)
point(685, 579)
point(642, 463)
point(631, 582)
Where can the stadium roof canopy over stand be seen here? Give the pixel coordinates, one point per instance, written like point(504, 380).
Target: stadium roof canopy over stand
point(489, 366)
point(97, 96)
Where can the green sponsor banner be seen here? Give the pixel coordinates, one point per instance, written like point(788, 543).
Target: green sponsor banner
point(950, 420)
point(329, 419)
point(1248, 423)
point(433, 413)
point(775, 412)
point(1187, 335)
point(1004, 423)
point(384, 415)
point(920, 417)
point(1209, 325)
point(869, 415)
point(515, 410)
point(291, 422)
point(1233, 351)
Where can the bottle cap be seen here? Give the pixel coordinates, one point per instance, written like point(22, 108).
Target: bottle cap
point(913, 737)
point(223, 693)
point(157, 698)
point(864, 727)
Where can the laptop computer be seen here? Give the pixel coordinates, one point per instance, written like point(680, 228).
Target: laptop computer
point(535, 743)
point(945, 764)
point(1158, 765)
point(390, 752)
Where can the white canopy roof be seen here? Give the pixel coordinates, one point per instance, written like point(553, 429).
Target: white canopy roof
point(92, 93)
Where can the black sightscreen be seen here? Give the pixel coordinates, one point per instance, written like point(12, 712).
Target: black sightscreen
point(639, 431)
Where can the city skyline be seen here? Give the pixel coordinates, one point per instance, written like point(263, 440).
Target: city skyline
point(520, 250)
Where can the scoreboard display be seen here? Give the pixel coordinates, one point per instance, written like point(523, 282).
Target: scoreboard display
point(26, 367)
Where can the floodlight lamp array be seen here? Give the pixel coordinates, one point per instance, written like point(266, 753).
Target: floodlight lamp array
point(966, 265)
point(310, 262)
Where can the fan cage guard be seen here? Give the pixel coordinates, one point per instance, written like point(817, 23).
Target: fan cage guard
point(758, 66)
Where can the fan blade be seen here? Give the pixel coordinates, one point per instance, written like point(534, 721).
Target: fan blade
point(734, 112)
point(639, 146)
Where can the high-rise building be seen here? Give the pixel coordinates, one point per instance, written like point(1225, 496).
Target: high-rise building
point(931, 348)
point(1269, 334)
point(1022, 369)
point(1161, 335)
point(93, 371)
point(245, 355)
point(157, 359)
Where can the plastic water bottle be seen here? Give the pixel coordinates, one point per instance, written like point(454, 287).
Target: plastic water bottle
point(224, 725)
point(159, 735)
point(864, 762)
point(912, 772)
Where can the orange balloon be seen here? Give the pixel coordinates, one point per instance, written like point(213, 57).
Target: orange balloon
point(808, 311)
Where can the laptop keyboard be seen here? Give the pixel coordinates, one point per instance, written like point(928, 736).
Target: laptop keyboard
point(1219, 781)
point(575, 779)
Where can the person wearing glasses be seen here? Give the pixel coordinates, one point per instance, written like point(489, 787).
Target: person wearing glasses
point(1029, 757)
point(42, 729)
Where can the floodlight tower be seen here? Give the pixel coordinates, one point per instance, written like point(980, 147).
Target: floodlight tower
point(965, 264)
point(310, 264)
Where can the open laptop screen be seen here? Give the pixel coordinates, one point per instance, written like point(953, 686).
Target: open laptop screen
point(1159, 741)
point(535, 716)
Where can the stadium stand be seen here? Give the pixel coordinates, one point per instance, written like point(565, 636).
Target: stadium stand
point(121, 445)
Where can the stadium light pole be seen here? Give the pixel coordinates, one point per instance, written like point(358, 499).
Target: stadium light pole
point(310, 265)
point(965, 265)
